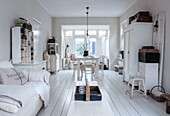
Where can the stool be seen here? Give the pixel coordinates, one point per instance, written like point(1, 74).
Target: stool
point(141, 84)
point(116, 68)
point(120, 70)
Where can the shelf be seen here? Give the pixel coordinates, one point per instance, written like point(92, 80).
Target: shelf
point(29, 64)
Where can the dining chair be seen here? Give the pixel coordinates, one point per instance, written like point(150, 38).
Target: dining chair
point(88, 67)
point(101, 66)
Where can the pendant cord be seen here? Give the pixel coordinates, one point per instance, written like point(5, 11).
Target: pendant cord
point(87, 20)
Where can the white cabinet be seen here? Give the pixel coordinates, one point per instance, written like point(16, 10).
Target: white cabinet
point(22, 45)
point(54, 63)
point(136, 35)
point(149, 71)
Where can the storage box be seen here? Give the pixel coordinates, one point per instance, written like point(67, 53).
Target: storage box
point(141, 16)
point(148, 57)
point(141, 13)
point(144, 19)
point(95, 94)
point(148, 47)
point(148, 50)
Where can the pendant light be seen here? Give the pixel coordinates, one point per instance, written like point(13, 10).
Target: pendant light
point(87, 35)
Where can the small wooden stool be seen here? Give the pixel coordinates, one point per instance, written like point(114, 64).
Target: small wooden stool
point(141, 84)
point(120, 70)
point(116, 68)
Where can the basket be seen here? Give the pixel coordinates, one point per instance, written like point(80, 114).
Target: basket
point(160, 97)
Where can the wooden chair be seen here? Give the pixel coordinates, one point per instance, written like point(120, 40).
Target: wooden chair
point(101, 66)
point(88, 66)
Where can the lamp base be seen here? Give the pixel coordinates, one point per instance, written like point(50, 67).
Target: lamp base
point(85, 53)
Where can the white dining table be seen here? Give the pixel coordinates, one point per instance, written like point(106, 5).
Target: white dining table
point(80, 58)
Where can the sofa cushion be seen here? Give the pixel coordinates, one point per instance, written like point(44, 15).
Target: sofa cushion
point(39, 76)
point(12, 76)
point(23, 75)
point(6, 64)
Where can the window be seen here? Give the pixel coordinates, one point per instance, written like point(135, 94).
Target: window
point(79, 48)
point(79, 32)
point(102, 33)
point(123, 25)
point(92, 46)
point(97, 42)
point(68, 33)
point(92, 32)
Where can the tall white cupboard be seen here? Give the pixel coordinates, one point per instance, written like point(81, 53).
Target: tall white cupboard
point(136, 35)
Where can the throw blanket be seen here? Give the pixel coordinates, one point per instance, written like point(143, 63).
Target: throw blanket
point(42, 89)
point(14, 97)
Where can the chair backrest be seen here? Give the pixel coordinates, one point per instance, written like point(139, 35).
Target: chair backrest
point(88, 60)
point(92, 58)
point(102, 58)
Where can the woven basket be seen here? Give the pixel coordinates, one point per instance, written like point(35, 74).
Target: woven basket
point(158, 98)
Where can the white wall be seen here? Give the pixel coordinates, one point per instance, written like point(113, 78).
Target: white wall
point(155, 7)
point(114, 32)
point(28, 9)
point(139, 5)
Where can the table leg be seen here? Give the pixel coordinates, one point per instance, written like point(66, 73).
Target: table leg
point(97, 68)
point(78, 69)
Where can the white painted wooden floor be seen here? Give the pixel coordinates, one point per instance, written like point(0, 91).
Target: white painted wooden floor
point(114, 103)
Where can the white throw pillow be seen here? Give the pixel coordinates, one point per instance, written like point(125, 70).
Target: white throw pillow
point(6, 64)
point(39, 76)
point(11, 76)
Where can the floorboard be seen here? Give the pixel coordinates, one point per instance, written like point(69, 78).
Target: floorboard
point(114, 101)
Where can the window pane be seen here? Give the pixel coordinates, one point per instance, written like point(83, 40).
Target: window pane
point(102, 33)
point(68, 33)
point(79, 32)
point(92, 32)
point(79, 46)
point(92, 46)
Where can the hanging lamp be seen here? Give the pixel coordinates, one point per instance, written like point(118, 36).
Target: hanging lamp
point(87, 35)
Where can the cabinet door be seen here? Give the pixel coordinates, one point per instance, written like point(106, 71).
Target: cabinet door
point(132, 54)
point(142, 69)
point(126, 56)
point(16, 45)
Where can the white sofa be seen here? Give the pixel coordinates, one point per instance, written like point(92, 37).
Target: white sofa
point(31, 96)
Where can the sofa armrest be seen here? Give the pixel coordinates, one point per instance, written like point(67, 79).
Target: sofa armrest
point(39, 76)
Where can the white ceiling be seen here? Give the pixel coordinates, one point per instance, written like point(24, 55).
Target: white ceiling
point(77, 8)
